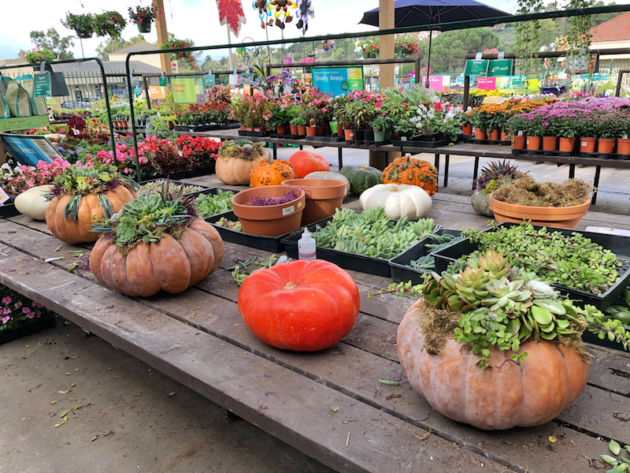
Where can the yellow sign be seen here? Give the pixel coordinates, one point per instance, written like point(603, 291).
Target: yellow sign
point(184, 90)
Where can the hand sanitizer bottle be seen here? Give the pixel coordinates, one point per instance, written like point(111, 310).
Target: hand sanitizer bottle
point(306, 246)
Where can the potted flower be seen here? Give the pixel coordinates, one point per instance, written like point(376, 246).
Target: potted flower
point(610, 128)
point(21, 317)
point(588, 132)
point(466, 121)
point(109, 23)
point(533, 130)
point(370, 48)
point(179, 44)
point(37, 55)
point(143, 17)
point(565, 127)
point(623, 143)
point(382, 126)
point(82, 24)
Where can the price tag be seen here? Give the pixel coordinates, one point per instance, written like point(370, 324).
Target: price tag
point(288, 210)
point(3, 196)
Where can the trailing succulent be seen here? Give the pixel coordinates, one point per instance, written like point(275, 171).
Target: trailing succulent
point(243, 149)
point(78, 181)
point(148, 218)
point(505, 307)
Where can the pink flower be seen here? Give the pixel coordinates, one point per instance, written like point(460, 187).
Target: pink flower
point(18, 305)
point(6, 300)
point(5, 320)
point(26, 310)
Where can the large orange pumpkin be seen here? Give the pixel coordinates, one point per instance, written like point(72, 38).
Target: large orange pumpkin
point(301, 306)
point(169, 264)
point(235, 171)
point(412, 171)
point(549, 380)
point(305, 162)
point(271, 173)
point(72, 231)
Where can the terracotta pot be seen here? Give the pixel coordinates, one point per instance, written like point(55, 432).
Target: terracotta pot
point(259, 128)
point(281, 130)
point(294, 129)
point(323, 197)
point(533, 143)
point(320, 130)
point(623, 146)
point(271, 220)
point(339, 129)
point(467, 129)
point(311, 131)
point(245, 128)
point(550, 143)
point(302, 130)
point(349, 135)
point(567, 145)
point(518, 142)
point(564, 217)
point(494, 135)
point(587, 145)
point(606, 145)
point(503, 133)
point(480, 134)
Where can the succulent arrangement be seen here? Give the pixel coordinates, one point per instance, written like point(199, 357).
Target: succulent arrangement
point(526, 191)
point(173, 188)
point(496, 174)
point(505, 307)
point(243, 149)
point(371, 233)
point(427, 262)
point(574, 261)
point(229, 224)
point(148, 218)
point(212, 204)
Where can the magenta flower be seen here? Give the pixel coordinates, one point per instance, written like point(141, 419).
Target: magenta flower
point(7, 300)
point(5, 320)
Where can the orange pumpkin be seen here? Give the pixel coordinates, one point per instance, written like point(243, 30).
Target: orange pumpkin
point(74, 231)
point(412, 171)
point(305, 162)
point(271, 173)
point(169, 264)
point(549, 380)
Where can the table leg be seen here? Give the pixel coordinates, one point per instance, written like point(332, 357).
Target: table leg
point(446, 162)
point(275, 150)
point(476, 170)
point(340, 157)
point(301, 147)
point(436, 162)
point(596, 184)
point(571, 171)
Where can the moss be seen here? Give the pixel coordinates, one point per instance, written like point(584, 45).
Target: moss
point(437, 326)
point(527, 192)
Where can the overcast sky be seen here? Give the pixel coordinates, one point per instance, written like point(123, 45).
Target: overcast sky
point(194, 19)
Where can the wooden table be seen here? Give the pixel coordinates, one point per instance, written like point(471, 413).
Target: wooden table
point(460, 149)
point(199, 339)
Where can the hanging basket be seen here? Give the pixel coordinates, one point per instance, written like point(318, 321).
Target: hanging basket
point(144, 27)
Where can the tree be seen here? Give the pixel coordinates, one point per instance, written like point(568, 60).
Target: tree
point(449, 49)
point(113, 44)
point(53, 41)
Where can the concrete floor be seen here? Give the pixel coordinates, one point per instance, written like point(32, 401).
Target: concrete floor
point(614, 184)
point(131, 419)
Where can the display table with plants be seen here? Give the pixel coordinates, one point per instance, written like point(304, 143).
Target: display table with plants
point(21, 316)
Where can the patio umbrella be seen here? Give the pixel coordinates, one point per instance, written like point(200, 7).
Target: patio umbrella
point(431, 12)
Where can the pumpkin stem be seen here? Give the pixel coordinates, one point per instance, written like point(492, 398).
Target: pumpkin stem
point(364, 167)
point(290, 285)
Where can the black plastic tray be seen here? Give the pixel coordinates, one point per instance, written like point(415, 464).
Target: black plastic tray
point(589, 337)
point(215, 191)
point(177, 182)
point(257, 134)
point(265, 243)
point(403, 273)
point(29, 328)
point(8, 210)
point(540, 152)
point(469, 139)
point(351, 261)
point(197, 172)
point(619, 245)
point(420, 144)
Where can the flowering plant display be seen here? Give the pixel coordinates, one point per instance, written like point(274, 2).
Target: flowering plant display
point(179, 44)
point(405, 46)
point(37, 55)
point(369, 47)
point(22, 178)
point(252, 111)
point(316, 107)
point(198, 152)
point(17, 310)
point(83, 24)
point(143, 15)
point(163, 153)
point(109, 23)
point(212, 112)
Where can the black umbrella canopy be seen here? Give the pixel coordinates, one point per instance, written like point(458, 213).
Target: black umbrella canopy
point(431, 12)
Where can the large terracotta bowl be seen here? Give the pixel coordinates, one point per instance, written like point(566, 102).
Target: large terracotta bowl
point(564, 217)
point(323, 197)
point(271, 220)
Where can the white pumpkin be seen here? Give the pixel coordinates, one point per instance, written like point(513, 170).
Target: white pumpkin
point(398, 200)
point(335, 176)
point(32, 202)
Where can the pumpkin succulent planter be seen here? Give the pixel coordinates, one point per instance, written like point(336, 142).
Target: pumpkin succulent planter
point(412, 171)
point(305, 162)
point(271, 173)
point(236, 160)
point(81, 194)
point(398, 200)
point(301, 306)
point(361, 178)
point(155, 243)
point(489, 349)
point(323, 197)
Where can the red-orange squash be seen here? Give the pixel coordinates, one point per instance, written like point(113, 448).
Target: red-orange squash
point(74, 231)
point(271, 173)
point(301, 306)
point(305, 162)
point(169, 264)
point(507, 395)
point(412, 171)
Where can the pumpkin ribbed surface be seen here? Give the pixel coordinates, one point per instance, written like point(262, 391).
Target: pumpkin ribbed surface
point(271, 173)
point(362, 177)
point(550, 379)
point(169, 264)
point(235, 171)
point(78, 231)
point(412, 171)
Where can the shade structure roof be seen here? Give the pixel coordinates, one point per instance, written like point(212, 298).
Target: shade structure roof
point(428, 12)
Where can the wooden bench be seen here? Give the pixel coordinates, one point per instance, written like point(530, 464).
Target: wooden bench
point(199, 339)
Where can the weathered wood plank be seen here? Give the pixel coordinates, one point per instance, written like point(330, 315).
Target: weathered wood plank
point(292, 407)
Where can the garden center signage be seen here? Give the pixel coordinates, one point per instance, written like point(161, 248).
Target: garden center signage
point(184, 90)
point(500, 67)
point(41, 87)
point(209, 80)
point(29, 149)
point(476, 67)
point(338, 80)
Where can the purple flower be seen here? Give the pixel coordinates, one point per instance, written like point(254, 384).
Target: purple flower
point(59, 148)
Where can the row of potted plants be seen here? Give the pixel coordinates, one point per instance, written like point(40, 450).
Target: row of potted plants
point(403, 47)
point(110, 23)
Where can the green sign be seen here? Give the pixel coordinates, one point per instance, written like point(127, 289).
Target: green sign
point(476, 67)
point(136, 90)
point(24, 123)
point(338, 80)
point(41, 88)
point(209, 80)
point(163, 81)
point(517, 83)
point(500, 67)
point(184, 90)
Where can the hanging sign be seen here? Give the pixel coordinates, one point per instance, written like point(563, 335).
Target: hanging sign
point(41, 87)
point(489, 83)
point(29, 149)
point(476, 67)
point(163, 81)
point(338, 80)
point(209, 80)
point(184, 90)
point(502, 67)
